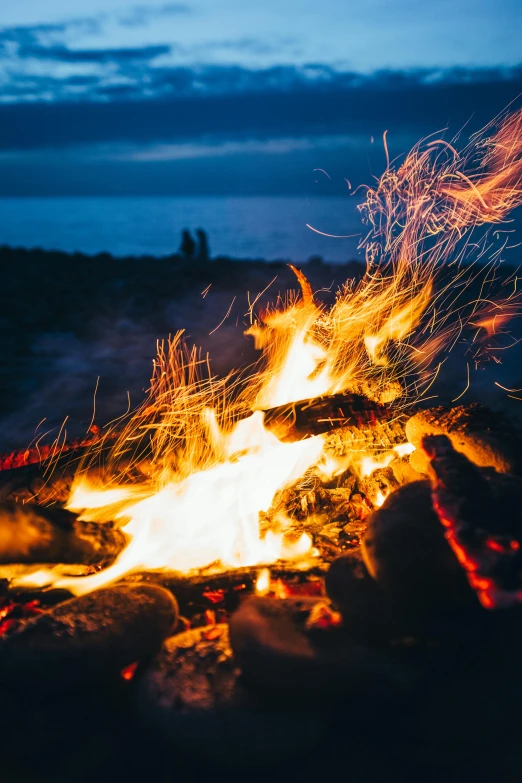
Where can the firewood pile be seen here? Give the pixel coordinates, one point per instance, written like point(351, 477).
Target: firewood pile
point(396, 657)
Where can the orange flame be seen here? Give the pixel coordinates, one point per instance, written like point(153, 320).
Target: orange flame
point(210, 465)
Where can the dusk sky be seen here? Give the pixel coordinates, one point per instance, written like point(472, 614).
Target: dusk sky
point(236, 96)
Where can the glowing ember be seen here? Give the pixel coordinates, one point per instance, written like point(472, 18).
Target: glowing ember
point(212, 466)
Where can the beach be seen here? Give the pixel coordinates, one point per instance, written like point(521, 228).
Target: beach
point(79, 333)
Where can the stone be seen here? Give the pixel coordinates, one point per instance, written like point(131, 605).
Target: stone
point(86, 641)
point(404, 469)
point(486, 438)
point(192, 696)
point(419, 463)
point(39, 534)
point(405, 551)
point(279, 654)
point(364, 606)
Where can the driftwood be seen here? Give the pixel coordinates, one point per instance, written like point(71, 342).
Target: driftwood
point(352, 422)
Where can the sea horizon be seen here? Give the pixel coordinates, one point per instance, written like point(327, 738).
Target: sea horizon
point(265, 228)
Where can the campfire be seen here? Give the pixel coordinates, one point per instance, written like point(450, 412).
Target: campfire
point(307, 528)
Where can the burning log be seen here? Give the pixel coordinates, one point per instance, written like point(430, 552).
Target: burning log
point(486, 438)
point(89, 640)
point(36, 534)
point(298, 420)
point(486, 544)
point(29, 484)
point(194, 697)
point(36, 455)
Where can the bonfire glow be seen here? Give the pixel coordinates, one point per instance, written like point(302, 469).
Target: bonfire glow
point(212, 466)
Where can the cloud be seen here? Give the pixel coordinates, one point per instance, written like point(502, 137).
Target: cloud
point(140, 15)
point(45, 34)
point(162, 81)
point(247, 45)
point(179, 104)
point(120, 55)
point(225, 129)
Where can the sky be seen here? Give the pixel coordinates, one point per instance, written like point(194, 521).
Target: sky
point(236, 96)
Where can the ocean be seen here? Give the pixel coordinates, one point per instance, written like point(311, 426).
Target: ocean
point(241, 227)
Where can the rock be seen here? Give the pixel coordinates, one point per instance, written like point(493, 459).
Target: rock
point(366, 611)
point(87, 641)
point(405, 551)
point(404, 469)
point(278, 654)
point(419, 463)
point(36, 534)
point(486, 438)
point(192, 695)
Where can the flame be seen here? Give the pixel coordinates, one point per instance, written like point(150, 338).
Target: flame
point(368, 464)
point(403, 449)
point(212, 466)
point(263, 582)
point(379, 499)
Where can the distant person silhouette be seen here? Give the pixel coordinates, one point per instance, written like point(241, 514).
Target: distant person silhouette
point(188, 246)
point(203, 254)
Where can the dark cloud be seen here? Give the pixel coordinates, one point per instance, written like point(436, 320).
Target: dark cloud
point(235, 103)
point(94, 146)
point(64, 54)
point(166, 81)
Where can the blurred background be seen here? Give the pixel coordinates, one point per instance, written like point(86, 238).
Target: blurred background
point(124, 124)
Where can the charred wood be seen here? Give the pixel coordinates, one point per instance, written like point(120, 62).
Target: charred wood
point(30, 484)
point(36, 534)
point(297, 420)
point(364, 606)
